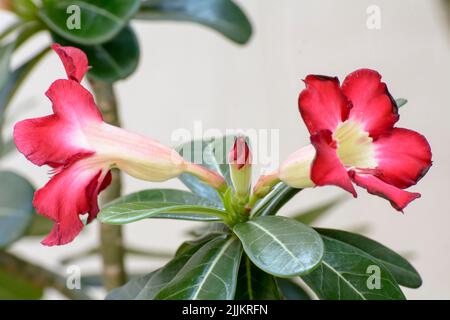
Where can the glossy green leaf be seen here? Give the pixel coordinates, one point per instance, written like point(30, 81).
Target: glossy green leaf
point(134, 211)
point(160, 203)
point(165, 195)
point(211, 154)
point(400, 102)
point(211, 273)
point(275, 200)
point(280, 246)
point(292, 290)
point(403, 272)
point(146, 287)
point(16, 210)
point(87, 22)
point(113, 60)
point(223, 16)
point(14, 287)
point(313, 214)
point(255, 284)
point(346, 274)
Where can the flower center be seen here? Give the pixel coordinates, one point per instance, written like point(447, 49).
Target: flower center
point(355, 148)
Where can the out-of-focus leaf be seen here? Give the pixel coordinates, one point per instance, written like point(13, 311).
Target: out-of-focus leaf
point(400, 102)
point(311, 215)
point(291, 290)
point(87, 22)
point(13, 287)
point(211, 273)
point(255, 284)
point(275, 200)
point(113, 60)
point(280, 246)
point(15, 78)
point(211, 154)
point(345, 274)
point(403, 272)
point(25, 9)
point(223, 16)
point(16, 210)
point(10, 29)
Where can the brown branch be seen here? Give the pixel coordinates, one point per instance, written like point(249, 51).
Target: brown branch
point(111, 239)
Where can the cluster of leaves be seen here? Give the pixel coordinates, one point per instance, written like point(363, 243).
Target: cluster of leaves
point(264, 257)
point(105, 34)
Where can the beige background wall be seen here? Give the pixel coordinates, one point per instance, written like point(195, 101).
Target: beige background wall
point(190, 73)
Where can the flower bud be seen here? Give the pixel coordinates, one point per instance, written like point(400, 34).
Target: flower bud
point(240, 160)
point(295, 171)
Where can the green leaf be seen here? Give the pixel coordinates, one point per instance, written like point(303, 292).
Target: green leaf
point(16, 210)
point(400, 102)
point(15, 79)
point(311, 215)
point(99, 20)
point(14, 287)
point(135, 211)
point(113, 60)
point(255, 284)
point(403, 272)
point(345, 274)
point(211, 273)
point(223, 16)
point(160, 203)
point(25, 9)
point(280, 246)
point(165, 195)
point(146, 287)
point(292, 290)
point(211, 154)
point(275, 200)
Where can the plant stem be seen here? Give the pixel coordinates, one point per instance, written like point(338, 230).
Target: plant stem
point(111, 238)
point(38, 276)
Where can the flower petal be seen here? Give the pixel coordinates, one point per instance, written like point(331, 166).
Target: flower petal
point(372, 105)
point(68, 194)
point(73, 102)
point(327, 169)
point(55, 139)
point(398, 198)
point(74, 60)
point(403, 156)
point(322, 104)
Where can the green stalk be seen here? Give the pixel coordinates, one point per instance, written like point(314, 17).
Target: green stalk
point(111, 238)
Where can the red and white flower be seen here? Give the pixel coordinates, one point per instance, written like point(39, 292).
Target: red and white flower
point(354, 140)
point(82, 149)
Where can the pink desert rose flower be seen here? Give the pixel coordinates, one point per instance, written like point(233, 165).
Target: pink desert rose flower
point(354, 140)
point(82, 149)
